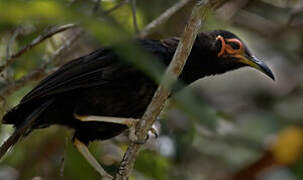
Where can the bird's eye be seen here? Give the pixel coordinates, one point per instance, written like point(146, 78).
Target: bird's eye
point(235, 46)
point(231, 46)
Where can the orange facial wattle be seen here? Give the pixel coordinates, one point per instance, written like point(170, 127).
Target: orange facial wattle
point(227, 49)
point(223, 45)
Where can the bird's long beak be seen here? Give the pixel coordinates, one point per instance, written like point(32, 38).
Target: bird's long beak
point(254, 62)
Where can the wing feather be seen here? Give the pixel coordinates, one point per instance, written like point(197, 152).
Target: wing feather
point(83, 72)
point(97, 68)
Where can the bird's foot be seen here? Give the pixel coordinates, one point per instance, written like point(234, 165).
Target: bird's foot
point(133, 137)
point(132, 130)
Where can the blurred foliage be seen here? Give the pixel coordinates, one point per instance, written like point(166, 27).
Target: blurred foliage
point(160, 164)
point(212, 130)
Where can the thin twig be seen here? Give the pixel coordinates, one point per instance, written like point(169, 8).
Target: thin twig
point(62, 162)
point(294, 14)
point(231, 8)
point(6, 74)
point(69, 43)
point(35, 42)
point(157, 103)
point(16, 85)
point(42, 71)
point(134, 14)
point(257, 23)
point(96, 7)
point(11, 41)
point(116, 7)
point(162, 18)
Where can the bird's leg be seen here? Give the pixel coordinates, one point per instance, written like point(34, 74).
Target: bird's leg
point(129, 122)
point(124, 121)
point(82, 148)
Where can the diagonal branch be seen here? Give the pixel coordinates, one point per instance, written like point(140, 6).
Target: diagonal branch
point(163, 18)
point(35, 42)
point(157, 103)
point(174, 69)
point(116, 7)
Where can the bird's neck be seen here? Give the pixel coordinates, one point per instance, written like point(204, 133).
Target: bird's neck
point(200, 62)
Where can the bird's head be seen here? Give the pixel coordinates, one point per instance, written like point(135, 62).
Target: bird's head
point(231, 53)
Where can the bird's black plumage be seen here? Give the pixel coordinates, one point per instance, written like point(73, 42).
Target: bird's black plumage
point(102, 84)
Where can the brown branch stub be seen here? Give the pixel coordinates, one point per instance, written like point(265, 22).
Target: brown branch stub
point(35, 42)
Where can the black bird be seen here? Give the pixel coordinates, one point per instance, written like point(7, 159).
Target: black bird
point(99, 94)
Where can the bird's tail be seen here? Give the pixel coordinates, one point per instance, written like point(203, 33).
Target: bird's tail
point(23, 128)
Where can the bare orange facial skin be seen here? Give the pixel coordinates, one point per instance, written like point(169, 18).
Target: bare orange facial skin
point(227, 49)
point(223, 45)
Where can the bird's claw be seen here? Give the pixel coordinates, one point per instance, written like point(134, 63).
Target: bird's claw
point(154, 132)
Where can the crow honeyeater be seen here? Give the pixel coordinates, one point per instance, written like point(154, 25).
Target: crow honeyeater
point(96, 93)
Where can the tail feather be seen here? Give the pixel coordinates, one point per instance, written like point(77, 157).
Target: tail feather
point(23, 128)
point(17, 115)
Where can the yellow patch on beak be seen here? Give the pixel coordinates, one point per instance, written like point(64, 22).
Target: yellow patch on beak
point(254, 62)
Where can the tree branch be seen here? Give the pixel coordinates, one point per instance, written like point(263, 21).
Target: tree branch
point(116, 7)
point(35, 42)
point(162, 18)
point(40, 72)
point(174, 69)
point(157, 103)
point(134, 15)
point(96, 7)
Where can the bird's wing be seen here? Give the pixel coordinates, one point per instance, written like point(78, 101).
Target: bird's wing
point(98, 68)
point(82, 72)
point(171, 43)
